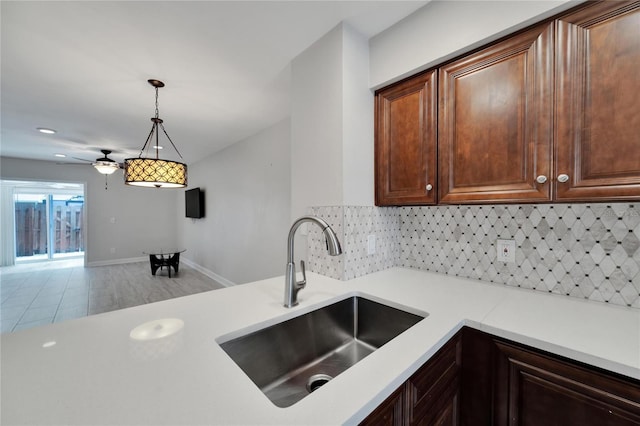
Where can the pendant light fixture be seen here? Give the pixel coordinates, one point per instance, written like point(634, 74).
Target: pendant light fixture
point(155, 172)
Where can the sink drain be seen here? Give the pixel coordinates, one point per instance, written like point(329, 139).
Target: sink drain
point(316, 381)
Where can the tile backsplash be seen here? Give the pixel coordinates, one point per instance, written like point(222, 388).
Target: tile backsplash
point(589, 251)
point(353, 225)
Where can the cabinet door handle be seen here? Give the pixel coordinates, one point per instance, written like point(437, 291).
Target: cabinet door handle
point(563, 178)
point(541, 179)
point(429, 187)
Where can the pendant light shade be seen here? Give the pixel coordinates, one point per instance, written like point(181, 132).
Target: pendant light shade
point(155, 172)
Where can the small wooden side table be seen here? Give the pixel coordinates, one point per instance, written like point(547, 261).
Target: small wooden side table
point(169, 258)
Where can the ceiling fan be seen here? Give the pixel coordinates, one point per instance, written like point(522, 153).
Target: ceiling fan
point(104, 165)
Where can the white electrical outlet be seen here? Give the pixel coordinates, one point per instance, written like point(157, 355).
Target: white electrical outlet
point(506, 251)
point(371, 244)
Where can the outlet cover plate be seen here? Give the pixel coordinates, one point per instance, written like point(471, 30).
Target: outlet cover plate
point(506, 251)
point(371, 244)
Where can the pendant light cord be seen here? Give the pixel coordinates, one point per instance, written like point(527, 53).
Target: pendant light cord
point(154, 129)
point(157, 109)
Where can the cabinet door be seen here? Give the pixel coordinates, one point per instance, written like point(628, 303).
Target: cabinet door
point(430, 396)
point(389, 413)
point(476, 378)
point(406, 129)
point(533, 389)
point(433, 391)
point(496, 122)
point(446, 413)
point(598, 88)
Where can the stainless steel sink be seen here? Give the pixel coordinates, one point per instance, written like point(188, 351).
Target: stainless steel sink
point(289, 360)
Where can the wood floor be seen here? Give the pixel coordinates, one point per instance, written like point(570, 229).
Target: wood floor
point(37, 294)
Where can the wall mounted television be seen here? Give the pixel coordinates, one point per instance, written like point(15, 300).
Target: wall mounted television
point(194, 203)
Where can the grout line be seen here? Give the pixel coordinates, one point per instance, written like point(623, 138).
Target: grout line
point(44, 285)
point(28, 306)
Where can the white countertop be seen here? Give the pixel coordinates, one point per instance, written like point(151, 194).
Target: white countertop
point(96, 374)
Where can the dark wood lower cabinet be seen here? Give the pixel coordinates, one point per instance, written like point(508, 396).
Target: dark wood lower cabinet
point(478, 379)
point(433, 391)
point(430, 396)
point(390, 412)
point(533, 388)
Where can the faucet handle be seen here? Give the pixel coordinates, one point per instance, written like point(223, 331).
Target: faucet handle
point(301, 284)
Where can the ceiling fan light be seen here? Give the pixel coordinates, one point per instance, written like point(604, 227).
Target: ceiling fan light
point(106, 167)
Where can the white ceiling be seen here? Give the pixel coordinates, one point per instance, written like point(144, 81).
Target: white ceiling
point(81, 68)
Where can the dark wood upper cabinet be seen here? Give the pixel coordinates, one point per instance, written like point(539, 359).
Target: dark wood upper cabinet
point(496, 122)
point(598, 103)
point(548, 114)
point(406, 130)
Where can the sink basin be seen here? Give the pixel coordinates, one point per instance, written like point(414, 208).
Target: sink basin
point(291, 359)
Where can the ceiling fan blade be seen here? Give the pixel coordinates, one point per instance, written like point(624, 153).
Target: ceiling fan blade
point(66, 163)
point(82, 159)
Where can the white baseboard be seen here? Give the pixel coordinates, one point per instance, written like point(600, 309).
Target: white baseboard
point(222, 280)
point(117, 261)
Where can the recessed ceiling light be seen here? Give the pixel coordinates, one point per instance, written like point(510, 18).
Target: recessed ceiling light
point(45, 130)
point(60, 155)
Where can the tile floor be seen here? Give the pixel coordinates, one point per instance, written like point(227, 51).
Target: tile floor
point(42, 293)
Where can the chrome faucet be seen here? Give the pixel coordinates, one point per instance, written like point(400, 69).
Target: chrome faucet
point(292, 285)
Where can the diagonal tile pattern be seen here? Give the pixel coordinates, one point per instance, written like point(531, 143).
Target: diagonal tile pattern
point(353, 225)
point(590, 251)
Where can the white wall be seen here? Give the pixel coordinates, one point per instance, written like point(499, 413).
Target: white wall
point(316, 125)
point(332, 123)
point(243, 235)
point(144, 217)
point(442, 30)
point(357, 116)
